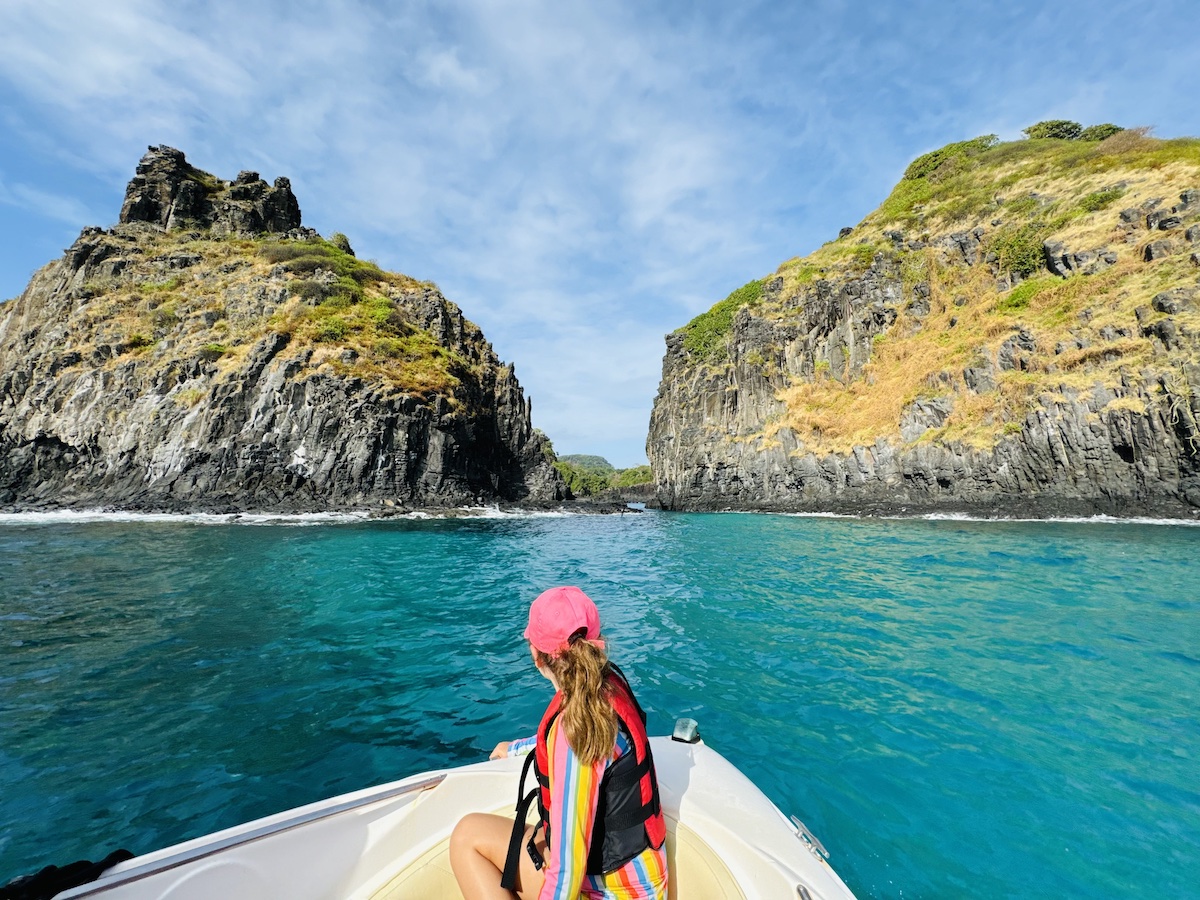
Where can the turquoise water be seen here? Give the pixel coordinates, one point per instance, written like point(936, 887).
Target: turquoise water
point(955, 708)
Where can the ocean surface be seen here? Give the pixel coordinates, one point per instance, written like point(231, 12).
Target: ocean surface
point(955, 708)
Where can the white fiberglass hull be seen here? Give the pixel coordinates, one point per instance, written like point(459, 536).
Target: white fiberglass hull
point(389, 843)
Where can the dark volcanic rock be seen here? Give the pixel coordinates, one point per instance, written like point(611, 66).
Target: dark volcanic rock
point(1064, 263)
point(170, 192)
point(172, 380)
point(1158, 250)
point(922, 415)
point(1173, 301)
point(1014, 352)
point(719, 437)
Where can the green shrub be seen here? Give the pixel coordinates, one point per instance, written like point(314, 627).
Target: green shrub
point(305, 257)
point(966, 203)
point(388, 347)
point(863, 257)
point(308, 264)
point(901, 204)
point(705, 335)
point(1099, 132)
point(339, 240)
point(581, 482)
point(331, 328)
point(306, 289)
point(282, 251)
point(165, 316)
point(138, 341)
point(213, 351)
point(418, 347)
point(1019, 297)
point(1018, 248)
point(158, 287)
point(806, 274)
point(635, 476)
point(385, 315)
point(348, 287)
point(1099, 200)
point(1022, 206)
point(926, 165)
point(589, 463)
point(1059, 129)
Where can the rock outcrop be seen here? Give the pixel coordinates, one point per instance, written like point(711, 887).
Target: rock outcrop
point(170, 192)
point(954, 371)
point(210, 353)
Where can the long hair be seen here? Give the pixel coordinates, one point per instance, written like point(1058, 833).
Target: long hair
point(587, 712)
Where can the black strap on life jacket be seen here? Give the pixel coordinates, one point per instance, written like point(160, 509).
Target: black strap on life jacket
point(512, 863)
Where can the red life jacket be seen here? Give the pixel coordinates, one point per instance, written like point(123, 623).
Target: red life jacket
point(628, 815)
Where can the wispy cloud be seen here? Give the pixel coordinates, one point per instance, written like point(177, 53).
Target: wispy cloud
point(44, 204)
point(580, 178)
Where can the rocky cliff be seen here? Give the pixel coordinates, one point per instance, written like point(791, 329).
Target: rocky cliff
point(209, 352)
point(1015, 331)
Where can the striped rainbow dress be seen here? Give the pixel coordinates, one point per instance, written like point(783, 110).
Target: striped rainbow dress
point(574, 792)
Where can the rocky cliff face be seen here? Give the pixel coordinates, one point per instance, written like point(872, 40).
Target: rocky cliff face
point(1034, 354)
point(210, 353)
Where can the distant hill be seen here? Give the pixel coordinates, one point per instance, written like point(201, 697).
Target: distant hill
point(1014, 331)
point(589, 463)
point(589, 476)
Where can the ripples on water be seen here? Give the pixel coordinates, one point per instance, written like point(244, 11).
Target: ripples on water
point(955, 708)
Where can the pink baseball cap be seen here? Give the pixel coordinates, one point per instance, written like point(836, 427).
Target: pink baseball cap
point(557, 614)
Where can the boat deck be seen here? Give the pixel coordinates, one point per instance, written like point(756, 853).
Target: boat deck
point(696, 872)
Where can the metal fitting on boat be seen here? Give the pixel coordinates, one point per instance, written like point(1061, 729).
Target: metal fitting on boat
point(802, 832)
point(687, 731)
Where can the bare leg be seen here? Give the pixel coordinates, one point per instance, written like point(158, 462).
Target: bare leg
point(478, 849)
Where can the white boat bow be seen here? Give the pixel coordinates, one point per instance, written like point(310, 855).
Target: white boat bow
point(725, 840)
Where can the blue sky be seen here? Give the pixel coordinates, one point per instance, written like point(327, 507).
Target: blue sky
point(580, 178)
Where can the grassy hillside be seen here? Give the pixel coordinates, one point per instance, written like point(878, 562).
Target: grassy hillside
point(357, 319)
point(1089, 328)
point(589, 462)
point(587, 475)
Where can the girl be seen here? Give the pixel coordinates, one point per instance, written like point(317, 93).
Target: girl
point(600, 832)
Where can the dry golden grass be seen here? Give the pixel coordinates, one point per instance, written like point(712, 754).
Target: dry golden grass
point(1133, 404)
point(187, 308)
point(926, 358)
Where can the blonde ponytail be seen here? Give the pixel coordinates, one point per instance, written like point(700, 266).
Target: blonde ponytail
point(587, 713)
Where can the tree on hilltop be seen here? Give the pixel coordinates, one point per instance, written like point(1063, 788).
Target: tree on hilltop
point(1060, 129)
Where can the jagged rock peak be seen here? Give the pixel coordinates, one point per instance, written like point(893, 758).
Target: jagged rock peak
point(171, 193)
